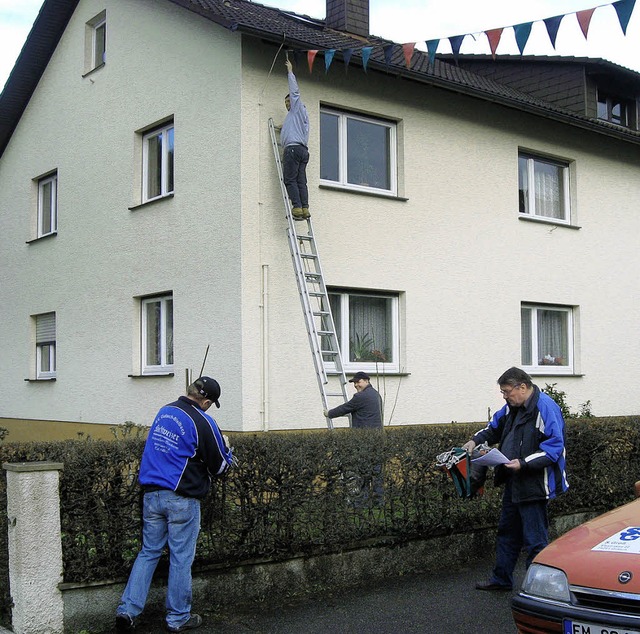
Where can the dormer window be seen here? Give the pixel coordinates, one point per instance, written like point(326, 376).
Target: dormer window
point(613, 109)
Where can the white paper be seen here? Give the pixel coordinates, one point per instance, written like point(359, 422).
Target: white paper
point(491, 459)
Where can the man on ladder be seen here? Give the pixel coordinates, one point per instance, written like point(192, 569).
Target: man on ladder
point(294, 138)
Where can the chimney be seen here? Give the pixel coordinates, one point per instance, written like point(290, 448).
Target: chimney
point(348, 15)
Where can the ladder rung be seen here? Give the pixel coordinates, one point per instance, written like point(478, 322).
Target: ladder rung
point(303, 237)
point(335, 394)
point(325, 333)
point(315, 276)
point(321, 313)
point(308, 256)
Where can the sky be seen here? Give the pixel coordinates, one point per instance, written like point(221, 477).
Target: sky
point(419, 20)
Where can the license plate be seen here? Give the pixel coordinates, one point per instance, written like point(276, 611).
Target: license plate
point(578, 627)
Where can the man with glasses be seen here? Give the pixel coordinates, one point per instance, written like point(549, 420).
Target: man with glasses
point(529, 430)
point(183, 452)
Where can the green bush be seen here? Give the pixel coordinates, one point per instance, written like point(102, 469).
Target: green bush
point(297, 493)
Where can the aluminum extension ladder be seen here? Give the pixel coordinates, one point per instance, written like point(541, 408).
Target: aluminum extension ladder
point(313, 297)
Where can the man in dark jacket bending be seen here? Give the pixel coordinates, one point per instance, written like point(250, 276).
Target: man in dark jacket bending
point(365, 407)
point(530, 431)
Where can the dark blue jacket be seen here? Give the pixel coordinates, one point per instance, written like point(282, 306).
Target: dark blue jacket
point(183, 451)
point(533, 433)
point(365, 408)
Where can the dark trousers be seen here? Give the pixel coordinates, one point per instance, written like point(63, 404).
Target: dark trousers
point(294, 173)
point(523, 525)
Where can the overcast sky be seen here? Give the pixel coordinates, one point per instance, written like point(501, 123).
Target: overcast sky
point(419, 20)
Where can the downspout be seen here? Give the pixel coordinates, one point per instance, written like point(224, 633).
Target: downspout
point(264, 306)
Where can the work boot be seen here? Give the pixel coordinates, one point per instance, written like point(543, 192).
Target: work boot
point(305, 213)
point(124, 623)
point(194, 622)
point(297, 213)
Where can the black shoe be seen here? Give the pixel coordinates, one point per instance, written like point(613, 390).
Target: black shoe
point(124, 623)
point(191, 624)
point(491, 586)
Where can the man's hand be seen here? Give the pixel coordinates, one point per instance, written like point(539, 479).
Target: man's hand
point(469, 446)
point(325, 413)
point(289, 66)
point(513, 465)
point(226, 440)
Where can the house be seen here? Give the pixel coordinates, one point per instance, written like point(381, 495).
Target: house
point(468, 219)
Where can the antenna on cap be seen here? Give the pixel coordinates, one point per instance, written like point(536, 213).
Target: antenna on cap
point(204, 361)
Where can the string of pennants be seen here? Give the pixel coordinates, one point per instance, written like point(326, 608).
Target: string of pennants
point(624, 9)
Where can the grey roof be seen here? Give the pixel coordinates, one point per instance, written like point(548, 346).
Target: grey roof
point(299, 32)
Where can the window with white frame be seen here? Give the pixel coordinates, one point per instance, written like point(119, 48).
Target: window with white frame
point(47, 205)
point(157, 334)
point(45, 345)
point(157, 163)
point(543, 188)
point(547, 338)
point(367, 329)
point(358, 152)
point(99, 43)
point(96, 42)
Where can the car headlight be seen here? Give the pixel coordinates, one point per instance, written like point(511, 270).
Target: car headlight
point(546, 582)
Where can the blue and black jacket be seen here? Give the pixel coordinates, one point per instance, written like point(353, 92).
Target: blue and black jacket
point(533, 433)
point(184, 450)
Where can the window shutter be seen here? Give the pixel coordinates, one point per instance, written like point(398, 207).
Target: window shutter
point(45, 328)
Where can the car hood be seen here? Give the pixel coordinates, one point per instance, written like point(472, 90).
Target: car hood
point(596, 553)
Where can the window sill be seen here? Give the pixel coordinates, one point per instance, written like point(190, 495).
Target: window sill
point(148, 203)
point(547, 221)
point(361, 192)
point(160, 375)
point(42, 380)
point(53, 234)
point(93, 70)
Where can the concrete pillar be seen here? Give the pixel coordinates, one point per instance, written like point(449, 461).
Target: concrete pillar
point(35, 548)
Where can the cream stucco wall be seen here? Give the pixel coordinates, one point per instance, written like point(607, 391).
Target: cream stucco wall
point(455, 249)
point(162, 61)
point(453, 246)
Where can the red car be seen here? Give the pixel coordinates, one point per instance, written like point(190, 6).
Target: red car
point(587, 581)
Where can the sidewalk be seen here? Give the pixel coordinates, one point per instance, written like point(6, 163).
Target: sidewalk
point(425, 604)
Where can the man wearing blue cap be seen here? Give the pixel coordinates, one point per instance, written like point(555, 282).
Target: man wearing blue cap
point(184, 451)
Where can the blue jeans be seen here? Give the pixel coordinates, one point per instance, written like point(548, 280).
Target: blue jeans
point(294, 174)
point(523, 525)
point(173, 520)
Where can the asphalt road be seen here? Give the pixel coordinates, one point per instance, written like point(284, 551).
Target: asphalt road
point(428, 604)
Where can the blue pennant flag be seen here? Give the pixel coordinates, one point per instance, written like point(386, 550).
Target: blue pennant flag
point(346, 54)
point(553, 24)
point(432, 47)
point(388, 51)
point(456, 43)
point(328, 58)
point(366, 54)
point(522, 34)
point(624, 9)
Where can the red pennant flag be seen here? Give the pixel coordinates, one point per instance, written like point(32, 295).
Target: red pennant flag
point(584, 19)
point(494, 36)
point(408, 52)
point(311, 55)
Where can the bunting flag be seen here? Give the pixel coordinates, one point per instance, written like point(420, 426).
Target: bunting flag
point(553, 24)
point(584, 20)
point(347, 53)
point(522, 32)
point(494, 36)
point(328, 58)
point(456, 43)
point(366, 54)
point(311, 56)
point(388, 51)
point(432, 47)
point(624, 9)
point(408, 52)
